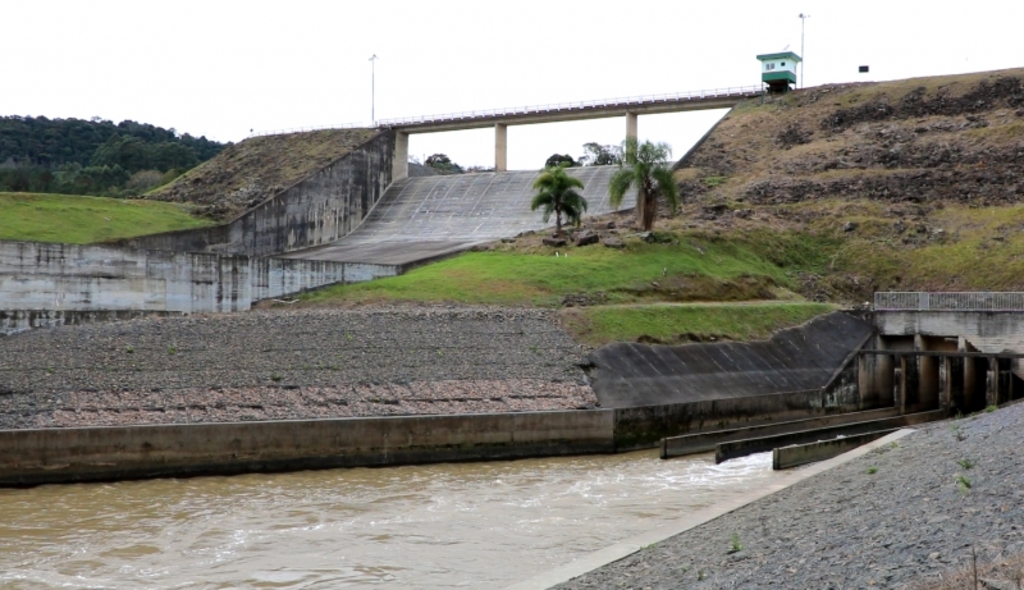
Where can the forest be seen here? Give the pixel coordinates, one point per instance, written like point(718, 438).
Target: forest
point(95, 157)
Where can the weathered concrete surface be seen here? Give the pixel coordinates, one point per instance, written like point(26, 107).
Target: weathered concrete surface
point(13, 322)
point(742, 448)
point(986, 331)
point(797, 455)
point(37, 279)
point(805, 358)
point(703, 442)
point(33, 457)
point(427, 217)
point(317, 210)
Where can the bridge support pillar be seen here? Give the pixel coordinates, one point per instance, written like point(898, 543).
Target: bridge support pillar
point(631, 125)
point(400, 163)
point(899, 385)
point(992, 382)
point(945, 383)
point(500, 147)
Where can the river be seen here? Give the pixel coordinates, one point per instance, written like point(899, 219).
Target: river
point(471, 525)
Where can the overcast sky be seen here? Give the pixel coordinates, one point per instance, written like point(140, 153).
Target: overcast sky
point(223, 68)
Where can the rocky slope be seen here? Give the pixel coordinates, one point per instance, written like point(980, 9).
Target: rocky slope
point(289, 365)
point(900, 185)
point(908, 515)
point(251, 171)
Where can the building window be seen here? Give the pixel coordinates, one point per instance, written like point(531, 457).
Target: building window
point(769, 67)
point(783, 64)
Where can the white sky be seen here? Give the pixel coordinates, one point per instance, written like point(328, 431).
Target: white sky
point(221, 68)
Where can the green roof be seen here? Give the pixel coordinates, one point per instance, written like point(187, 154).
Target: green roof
point(784, 55)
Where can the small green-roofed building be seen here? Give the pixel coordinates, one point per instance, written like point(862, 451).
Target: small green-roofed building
point(778, 70)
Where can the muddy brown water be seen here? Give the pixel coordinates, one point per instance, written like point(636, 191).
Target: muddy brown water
point(475, 525)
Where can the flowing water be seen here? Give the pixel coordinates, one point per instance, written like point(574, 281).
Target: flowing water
point(473, 525)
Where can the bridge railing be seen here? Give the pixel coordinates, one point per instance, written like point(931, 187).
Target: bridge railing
point(737, 91)
point(306, 129)
point(962, 301)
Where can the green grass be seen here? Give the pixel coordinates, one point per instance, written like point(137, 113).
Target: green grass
point(673, 324)
point(695, 268)
point(82, 220)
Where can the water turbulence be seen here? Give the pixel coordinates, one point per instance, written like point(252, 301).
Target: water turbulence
point(436, 526)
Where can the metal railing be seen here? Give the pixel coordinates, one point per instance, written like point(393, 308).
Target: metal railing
point(737, 91)
point(630, 101)
point(305, 129)
point(963, 301)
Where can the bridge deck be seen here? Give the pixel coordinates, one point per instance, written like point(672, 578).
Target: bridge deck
point(594, 109)
point(422, 218)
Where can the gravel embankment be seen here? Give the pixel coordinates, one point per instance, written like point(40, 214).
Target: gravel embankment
point(892, 518)
point(290, 365)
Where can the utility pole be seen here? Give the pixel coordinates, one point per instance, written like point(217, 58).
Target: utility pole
point(373, 90)
point(803, 19)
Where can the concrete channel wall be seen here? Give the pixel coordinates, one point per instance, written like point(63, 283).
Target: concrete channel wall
point(34, 457)
point(318, 210)
point(44, 285)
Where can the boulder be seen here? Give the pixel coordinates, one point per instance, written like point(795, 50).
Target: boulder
point(611, 242)
point(554, 242)
point(586, 238)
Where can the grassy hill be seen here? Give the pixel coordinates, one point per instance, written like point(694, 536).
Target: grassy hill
point(82, 220)
point(913, 184)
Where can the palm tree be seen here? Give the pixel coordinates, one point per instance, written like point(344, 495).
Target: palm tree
point(556, 193)
point(644, 166)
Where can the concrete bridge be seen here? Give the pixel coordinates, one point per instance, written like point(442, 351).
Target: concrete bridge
point(500, 119)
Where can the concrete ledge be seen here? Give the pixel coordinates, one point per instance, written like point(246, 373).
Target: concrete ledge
point(703, 442)
point(64, 455)
point(797, 455)
point(742, 448)
point(632, 545)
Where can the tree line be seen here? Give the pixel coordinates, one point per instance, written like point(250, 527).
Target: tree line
point(96, 157)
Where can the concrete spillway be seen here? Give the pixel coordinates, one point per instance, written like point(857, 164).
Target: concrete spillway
point(422, 218)
point(804, 358)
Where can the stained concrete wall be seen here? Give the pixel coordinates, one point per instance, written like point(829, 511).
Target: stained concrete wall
point(32, 457)
point(808, 357)
point(642, 427)
point(67, 277)
point(318, 210)
point(47, 284)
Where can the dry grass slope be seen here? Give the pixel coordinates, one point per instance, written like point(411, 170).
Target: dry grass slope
point(254, 170)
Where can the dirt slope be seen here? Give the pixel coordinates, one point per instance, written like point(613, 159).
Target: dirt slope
point(956, 138)
point(250, 171)
point(903, 185)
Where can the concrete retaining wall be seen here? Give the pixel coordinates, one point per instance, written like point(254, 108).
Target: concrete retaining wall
point(33, 457)
point(40, 284)
point(318, 210)
point(637, 428)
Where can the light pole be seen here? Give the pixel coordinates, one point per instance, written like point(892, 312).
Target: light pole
point(373, 90)
point(803, 19)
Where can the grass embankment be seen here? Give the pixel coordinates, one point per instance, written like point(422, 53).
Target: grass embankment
point(644, 291)
point(687, 322)
point(82, 220)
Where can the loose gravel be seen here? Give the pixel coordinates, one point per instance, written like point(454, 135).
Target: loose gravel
point(898, 516)
point(272, 365)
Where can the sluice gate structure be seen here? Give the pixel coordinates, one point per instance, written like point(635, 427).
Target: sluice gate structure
point(929, 356)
